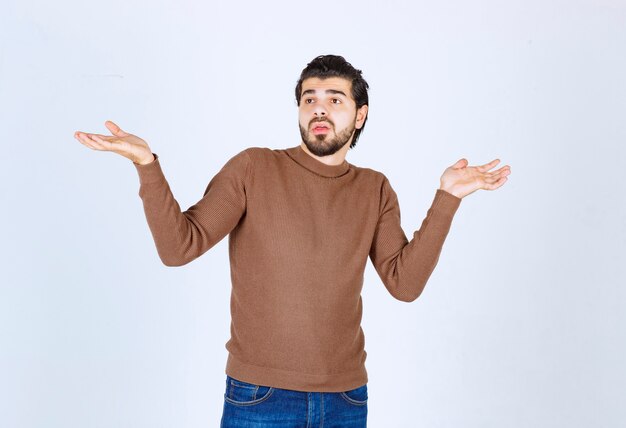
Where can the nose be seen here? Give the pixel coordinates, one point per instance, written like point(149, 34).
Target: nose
point(319, 110)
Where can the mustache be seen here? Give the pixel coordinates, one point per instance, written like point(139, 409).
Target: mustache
point(320, 120)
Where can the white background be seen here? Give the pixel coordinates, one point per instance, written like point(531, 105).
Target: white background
point(522, 323)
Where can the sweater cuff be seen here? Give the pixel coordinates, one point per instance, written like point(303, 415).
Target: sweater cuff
point(446, 202)
point(150, 172)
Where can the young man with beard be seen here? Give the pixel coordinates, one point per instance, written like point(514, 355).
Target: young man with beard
point(302, 223)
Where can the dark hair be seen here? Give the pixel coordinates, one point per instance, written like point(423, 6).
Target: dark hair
point(325, 66)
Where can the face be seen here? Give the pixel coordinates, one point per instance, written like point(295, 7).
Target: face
point(328, 114)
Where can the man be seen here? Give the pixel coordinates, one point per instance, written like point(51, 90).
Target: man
point(302, 223)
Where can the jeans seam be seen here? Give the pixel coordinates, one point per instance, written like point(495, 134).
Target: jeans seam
point(352, 401)
point(250, 403)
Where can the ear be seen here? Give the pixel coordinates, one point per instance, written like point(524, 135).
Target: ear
point(361, 115)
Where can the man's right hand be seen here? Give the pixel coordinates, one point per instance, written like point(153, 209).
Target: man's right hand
point(128, 145)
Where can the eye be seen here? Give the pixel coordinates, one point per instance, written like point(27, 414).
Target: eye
point(308, 100)
point(336, 101)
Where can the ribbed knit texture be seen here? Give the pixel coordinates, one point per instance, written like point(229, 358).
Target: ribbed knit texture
point(300, 233)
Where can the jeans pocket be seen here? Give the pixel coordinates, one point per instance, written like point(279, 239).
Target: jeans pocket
point(242, 393)
point(357, 396)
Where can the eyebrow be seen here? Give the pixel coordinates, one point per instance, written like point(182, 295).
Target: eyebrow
point(328, 91)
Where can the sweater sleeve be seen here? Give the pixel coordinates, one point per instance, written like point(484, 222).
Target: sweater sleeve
point(404, 267)
point(181, 237)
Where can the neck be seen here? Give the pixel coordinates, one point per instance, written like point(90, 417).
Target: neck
point(336, 158)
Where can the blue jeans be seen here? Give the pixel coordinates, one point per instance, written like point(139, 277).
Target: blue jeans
point(256, 406)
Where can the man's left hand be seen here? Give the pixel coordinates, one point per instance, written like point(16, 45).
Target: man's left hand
point(462, 180)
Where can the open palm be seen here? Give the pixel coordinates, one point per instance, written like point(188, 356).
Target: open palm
point(462, 180)
point(128, 145)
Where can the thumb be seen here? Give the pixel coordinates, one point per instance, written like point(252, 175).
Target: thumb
point(115, 130)
point(461, 163)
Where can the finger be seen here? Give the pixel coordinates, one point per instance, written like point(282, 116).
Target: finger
point(83, 138)
point(491, 164)
point(84, 142)
point(502, 172)
point(461, 163)
point(494, 186)
point(502, 168)
point(103, 142)
point(115, 130)
point(494, 180)
point(102, 137)
point(488, 166)
point(99, 143)
point(490, 179)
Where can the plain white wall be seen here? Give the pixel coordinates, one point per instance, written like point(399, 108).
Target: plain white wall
point(521, 324)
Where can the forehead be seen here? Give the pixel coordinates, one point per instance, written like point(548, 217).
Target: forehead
point(336, 83)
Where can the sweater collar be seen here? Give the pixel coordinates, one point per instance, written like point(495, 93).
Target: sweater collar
point(298, 154)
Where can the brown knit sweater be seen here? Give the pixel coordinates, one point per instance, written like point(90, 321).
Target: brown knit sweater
point(300, 233)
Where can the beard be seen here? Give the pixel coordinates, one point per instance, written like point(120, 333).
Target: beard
point(322, 144)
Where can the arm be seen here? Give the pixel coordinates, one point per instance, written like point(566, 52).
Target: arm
point(181, 237)
point(404, 267)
